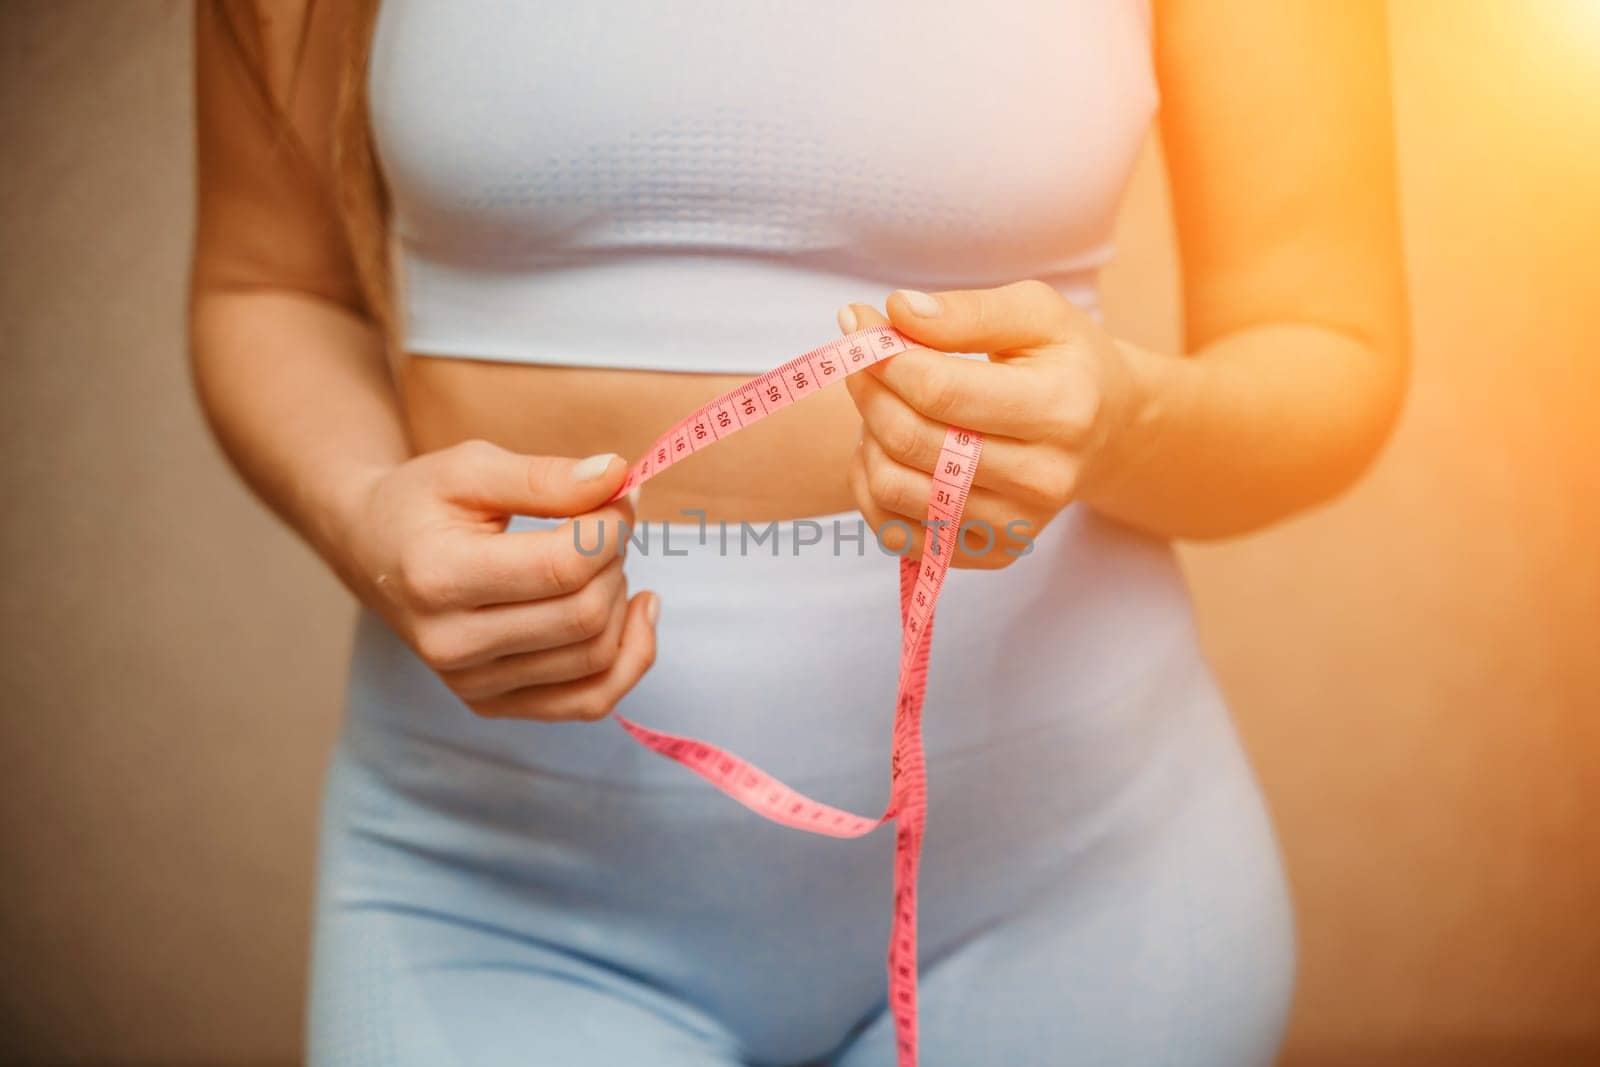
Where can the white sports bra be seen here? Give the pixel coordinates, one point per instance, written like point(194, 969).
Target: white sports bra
point(697, 186)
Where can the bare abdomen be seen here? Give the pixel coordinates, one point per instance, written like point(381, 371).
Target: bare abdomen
point(789, 465)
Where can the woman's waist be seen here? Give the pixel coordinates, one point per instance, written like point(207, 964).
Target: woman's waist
point(781, 641)
point(790, 465)
point(1080, 714)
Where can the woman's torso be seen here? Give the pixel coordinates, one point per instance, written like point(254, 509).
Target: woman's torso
point(617, 210)
point(604, 201)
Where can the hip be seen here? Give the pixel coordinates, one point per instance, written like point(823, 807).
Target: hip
point(1067, 702)
point(780, 641)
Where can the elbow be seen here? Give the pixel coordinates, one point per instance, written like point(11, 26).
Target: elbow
point(1351, 436)
point(1381, 391)
point(199, 338)
point(1379, 373)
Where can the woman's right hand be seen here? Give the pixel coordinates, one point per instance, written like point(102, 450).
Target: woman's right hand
point(517, 624)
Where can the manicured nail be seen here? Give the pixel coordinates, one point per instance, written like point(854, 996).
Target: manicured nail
point(633, 497)
point(847, 319)
point(919, 302)
point(592, 467)
point(652, 608)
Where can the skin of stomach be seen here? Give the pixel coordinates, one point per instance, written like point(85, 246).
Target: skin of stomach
point(790, 465)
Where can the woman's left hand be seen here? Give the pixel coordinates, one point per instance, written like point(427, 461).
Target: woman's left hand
point(1051, 402)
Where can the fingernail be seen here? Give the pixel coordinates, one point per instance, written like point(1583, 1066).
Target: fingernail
point(919, 302)
point(592, 467)
point(847, 319)
point(633, 497)
point(652, 608)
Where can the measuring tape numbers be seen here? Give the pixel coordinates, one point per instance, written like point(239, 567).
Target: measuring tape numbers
point(920, 583)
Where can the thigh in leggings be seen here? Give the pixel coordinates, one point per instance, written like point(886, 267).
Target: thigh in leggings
point(1167, 939)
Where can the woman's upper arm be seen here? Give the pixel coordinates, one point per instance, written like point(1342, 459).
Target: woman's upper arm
point(1275, 119)
point(267, 215)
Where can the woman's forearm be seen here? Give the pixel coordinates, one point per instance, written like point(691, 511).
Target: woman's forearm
point(296, 391)
point(1262, 423)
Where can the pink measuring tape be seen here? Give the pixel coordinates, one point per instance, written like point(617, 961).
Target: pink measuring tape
point(920, 583)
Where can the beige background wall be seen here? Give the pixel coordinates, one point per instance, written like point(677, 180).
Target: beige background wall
point(1416, 668)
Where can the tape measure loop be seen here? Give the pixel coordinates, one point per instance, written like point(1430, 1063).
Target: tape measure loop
point(920, 584)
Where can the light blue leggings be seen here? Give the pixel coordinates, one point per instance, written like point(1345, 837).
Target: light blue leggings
point(1100, 883)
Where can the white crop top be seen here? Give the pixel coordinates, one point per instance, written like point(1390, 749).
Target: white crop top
point(693, 185)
